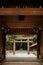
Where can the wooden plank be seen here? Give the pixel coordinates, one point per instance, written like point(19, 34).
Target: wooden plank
point(21, 11)
point(14, 47)
point(28, 48)
point(23, 41)
point(21, 63)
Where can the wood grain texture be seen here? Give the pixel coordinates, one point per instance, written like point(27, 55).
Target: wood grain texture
point(21, 63)
point(21, 11)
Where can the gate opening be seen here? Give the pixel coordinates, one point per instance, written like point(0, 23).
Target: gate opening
point(21, 47)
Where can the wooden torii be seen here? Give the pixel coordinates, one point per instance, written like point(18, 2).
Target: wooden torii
point(21, 40)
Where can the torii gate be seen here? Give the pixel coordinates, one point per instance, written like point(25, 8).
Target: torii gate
point(21, 40)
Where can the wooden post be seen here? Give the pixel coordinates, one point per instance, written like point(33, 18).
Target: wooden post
point(14, 47)
point(28, 48)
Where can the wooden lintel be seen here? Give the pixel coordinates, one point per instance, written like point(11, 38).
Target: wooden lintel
point(21, 11)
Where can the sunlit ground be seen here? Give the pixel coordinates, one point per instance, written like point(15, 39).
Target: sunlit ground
point(20, 55)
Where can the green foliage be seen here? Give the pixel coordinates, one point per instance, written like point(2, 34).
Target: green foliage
point(34, 40)
point(30, 43)
point(10, 37)
point(8, 43)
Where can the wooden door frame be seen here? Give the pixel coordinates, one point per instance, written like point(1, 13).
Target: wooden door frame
point(21, 31)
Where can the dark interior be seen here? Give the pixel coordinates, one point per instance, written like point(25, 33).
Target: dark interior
point(22, 46)
point(21, 3)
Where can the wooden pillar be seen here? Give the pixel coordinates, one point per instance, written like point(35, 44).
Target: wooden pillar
point(14, 47)
point(28, 48)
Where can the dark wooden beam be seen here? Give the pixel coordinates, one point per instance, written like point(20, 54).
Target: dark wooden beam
point(21, 11)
